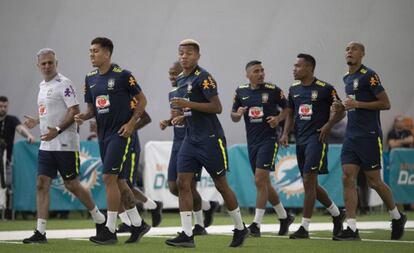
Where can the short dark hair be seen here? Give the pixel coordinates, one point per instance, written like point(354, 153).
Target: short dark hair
point(3, 99)
point(104, 42)
point(194, 45)
point(308, 58)
point(252, 63)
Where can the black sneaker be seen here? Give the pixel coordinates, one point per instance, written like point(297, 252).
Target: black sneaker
point(99, 227)
point(182, 240)
point(254, 230)
point(123, 228)
point(199, 230)
point(397, 227)
point(209, 214)
point(105, 237)
point(285, 223)
point(337, 222)
point(301, 233)
point(347, 235)
point(239, 236)
point(138, 232)
point(157, 214)
point(37, 237)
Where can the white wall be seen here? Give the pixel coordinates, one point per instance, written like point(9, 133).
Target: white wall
point(146, 33)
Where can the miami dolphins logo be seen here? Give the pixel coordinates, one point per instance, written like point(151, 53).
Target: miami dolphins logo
point(89, 173)
point(287, 176)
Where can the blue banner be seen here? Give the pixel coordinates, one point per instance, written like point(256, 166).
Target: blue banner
point(286, 179)
point(401, 175)
point(25, 173)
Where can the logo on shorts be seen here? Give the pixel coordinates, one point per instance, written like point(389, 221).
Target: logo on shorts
point(219, 172)
point(287, 176)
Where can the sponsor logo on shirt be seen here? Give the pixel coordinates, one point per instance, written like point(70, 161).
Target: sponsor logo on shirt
point(42, 110)
point(102, 103)
point(305, 112)
point(256, 114)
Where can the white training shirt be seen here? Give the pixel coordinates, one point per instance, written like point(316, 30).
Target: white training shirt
point(54, 99)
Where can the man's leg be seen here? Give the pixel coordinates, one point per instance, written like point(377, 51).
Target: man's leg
point(337, 216)
point(155, 207)
point(138, 226)
point(240, 230)
point(85, 197)
point(285, 219)
point(198, 212)
point(398, 219)
point(349, 177)
point(261, 177)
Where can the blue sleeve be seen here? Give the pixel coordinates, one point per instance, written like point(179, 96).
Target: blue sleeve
point(290, 103)
point(282, 101)
point(333, 95)
point(208, 85)
point(374, 83)
point(87, 92)
point(131, 83)
point(236, 102)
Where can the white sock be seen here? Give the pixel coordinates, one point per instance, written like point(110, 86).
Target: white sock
point(134, 217)
point(280, 210)
point(237, 219)
point(150, 204)
point(41, 226)
point(258, 216)
point(97, 216)
point(198, 217)
point(351, 224)
point(205, 205)
point(333, 210)
point(186, 222)
point(111, 221)
point(394, 214)
point(305, 223)
point(124, 218)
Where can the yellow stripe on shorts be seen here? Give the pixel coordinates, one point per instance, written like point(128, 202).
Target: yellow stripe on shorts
point(125, 153)
point(323, 155)
point(223, 152)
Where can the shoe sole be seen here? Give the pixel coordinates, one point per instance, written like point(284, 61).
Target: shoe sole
point(295, 237)
point(181, 244)
point(109, 242)
point(346, 239)
point(200, 234)
point(34, 242)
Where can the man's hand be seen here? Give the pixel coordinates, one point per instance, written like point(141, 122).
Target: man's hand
point(273, 121)
point(30, 122)
point(337, 106)
point(50, 135)
point(164, 124)
point(284, 140)
point(324, 133)
point(126, 130)
point(179, 102)
point(179, 120)
point(79, 118)
point(241, 111)
point(350, 103)
point(31, 139)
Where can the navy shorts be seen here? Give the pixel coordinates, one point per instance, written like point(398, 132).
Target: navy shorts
point(115, 151)
point(66, 162)
point(366, 152)
point(210, 154)
point(312, 156)
point(172, 165)
point(263, 155)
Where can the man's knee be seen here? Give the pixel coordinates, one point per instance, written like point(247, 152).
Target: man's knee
point(172, 186)
point(42, 184)
point(71, 185)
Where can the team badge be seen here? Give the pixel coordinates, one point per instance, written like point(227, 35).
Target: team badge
point(189, 88)
point(265, 98)
point(111, 84)
point(314, 95)
point(49, 92)
point(356, 83)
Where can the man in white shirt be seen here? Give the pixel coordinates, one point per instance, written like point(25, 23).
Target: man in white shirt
point(59, 148)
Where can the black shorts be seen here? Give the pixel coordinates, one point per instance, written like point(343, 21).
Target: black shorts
point(66, 162)
point(312, 156)
point(366, 152)
point(263, 155)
